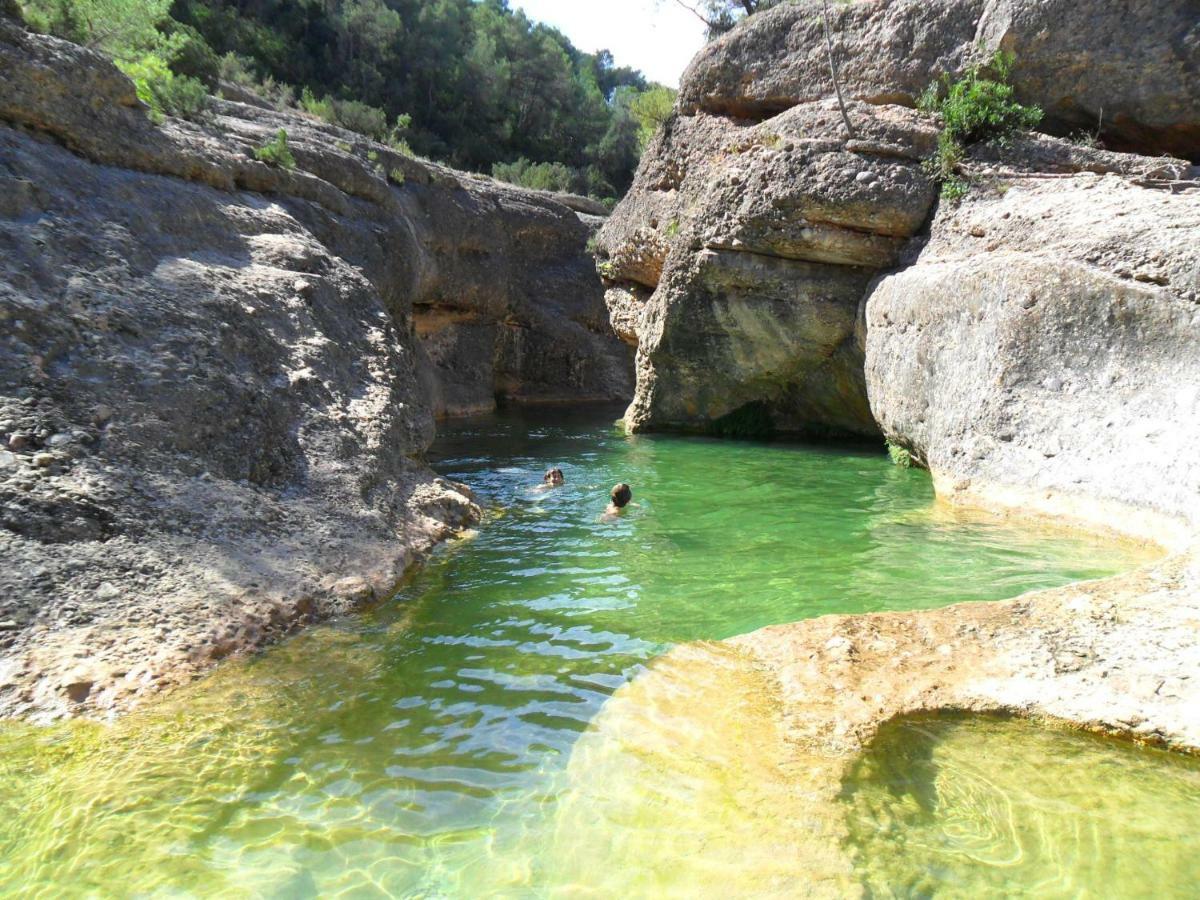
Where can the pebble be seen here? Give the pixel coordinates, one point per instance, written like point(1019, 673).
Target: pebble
point(865, 177)
point(58, 440)
point(7, 460)
point(20, 441)
point(43, 460)
point(9, 625)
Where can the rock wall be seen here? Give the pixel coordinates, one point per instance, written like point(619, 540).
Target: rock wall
point(218, 378)
point(1046, 341)
point(1116, 67)
point(739, 261)
point(740, 258)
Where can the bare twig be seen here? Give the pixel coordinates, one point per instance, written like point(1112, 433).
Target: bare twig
point(837, 81)
point(695, 12)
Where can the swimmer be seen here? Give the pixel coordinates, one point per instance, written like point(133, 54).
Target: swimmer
point(552, 479)
point(618, 500)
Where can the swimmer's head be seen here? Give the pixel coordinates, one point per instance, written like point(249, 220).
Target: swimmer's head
point(621, 495)
point(553, 477)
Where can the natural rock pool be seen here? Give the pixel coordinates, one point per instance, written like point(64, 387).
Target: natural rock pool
point(425, 749)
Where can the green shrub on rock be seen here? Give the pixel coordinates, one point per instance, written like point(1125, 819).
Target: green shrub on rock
point(162, 57)
point(165, 92)
point(899, 456)
point(979, 106)
point(276, 152)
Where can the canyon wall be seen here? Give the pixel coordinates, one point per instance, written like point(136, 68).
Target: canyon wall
point(218, 377)
point(740, 262)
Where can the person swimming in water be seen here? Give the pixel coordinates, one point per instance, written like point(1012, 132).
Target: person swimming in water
point(552, 479)
point(618, 499)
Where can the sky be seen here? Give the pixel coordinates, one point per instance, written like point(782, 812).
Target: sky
point(656, 36)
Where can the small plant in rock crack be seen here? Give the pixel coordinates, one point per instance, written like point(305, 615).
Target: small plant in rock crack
point(276, 152)
point(899, 456)
point(979, 106)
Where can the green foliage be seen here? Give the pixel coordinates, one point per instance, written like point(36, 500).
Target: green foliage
point(954, 188)
point(651, 108)
point(396, 177)
point(672, 229)
point(979, 106)
point(276, 152)
point(192, 57)
point(167, 62)
point(899, 456)
point(122, 28)
point(473, 83)
point(538, 176)
point(162, 90)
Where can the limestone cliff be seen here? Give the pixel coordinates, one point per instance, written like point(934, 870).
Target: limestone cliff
point(218, 377)
point(741, 258)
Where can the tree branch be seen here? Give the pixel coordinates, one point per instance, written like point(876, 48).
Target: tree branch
point(837, 81)
point(695, 12)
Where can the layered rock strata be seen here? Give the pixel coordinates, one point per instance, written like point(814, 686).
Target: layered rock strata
point(218, 377)
point(739, 259)
point(1117, 69)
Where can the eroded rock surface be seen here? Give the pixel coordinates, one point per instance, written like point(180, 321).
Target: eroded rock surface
point(218, 378)
point(1047, 340)
point(1036, 345)
point(758, 242)
point(1116, 67)
point(757, 219)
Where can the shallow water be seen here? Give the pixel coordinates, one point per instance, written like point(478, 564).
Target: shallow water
point(422, 750)
point(977, 806)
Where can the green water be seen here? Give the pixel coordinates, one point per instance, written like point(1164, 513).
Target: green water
point(983, 807)
point(422, 750)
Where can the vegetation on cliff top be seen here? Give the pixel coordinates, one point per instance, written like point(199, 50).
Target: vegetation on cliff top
point(979, 106)
point(469, 82)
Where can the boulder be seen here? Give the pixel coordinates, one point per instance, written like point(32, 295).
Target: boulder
point(1123, 69)
point(1045, 346)
point(758, 241)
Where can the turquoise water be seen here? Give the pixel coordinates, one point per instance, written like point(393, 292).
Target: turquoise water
point(420, 750)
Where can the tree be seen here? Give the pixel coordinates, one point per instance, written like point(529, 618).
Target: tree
point(721, 15)
point(833, 69)
point(651, 108)
point(121, 28)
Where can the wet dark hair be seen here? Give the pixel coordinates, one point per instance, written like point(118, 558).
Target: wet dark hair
point(551, 473)
point(621, 495)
